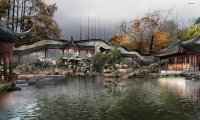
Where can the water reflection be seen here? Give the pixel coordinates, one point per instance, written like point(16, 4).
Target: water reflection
point(114, 85)
point(185, 88)
point(97, 98)
point(5, 99)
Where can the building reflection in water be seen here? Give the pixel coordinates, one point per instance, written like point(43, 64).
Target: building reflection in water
point(6, 99)
point(185, 88)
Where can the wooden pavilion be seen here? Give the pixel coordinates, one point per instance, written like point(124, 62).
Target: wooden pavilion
point(181, 56)
point(71, 46)
point(7, 38)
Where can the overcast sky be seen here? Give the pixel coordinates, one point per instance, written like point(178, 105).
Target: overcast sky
point(112, 12)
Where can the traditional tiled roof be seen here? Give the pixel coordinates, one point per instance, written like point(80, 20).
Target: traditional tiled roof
point(71, 43)
point(6, 35)
point(174, 48)
point(190, 45)
point(91, 43)
point(61, 44)
point(49, 44)
point(40, 43)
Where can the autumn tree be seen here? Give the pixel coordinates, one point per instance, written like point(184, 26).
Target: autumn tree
point(192, 32)
point(4, 7)
point(161, 40)
point(119, 41)
point(23, 15)
point(41, 17)
point(145, 31)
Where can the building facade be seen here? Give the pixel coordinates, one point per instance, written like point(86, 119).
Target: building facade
point(181, 56)
point(7, 38)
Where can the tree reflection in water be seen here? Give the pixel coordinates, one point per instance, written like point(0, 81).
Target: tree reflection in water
point(96, 98)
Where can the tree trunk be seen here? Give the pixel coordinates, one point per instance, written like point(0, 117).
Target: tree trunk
point(17, 17)
point(21, 21)
point(13, 15)
point(8, 16)
point(151, 44)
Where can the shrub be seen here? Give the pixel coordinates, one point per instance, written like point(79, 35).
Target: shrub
point(34, 68)
point(5, 87)
point(99, 60)
point(61, 65)
point(43, 65)
point(115, 55)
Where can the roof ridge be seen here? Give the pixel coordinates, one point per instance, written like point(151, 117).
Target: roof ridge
point(171, 45)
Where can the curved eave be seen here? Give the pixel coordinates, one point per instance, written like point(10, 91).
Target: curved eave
point(192, 45)
point(71, 43)
point(38, 48)
point(6, 35)
point(173, 49)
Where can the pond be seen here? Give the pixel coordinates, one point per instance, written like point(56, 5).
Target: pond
point(92, 99)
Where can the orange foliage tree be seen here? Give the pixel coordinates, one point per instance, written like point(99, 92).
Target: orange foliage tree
point(23, 15)
point(119, 41)
point(151, 32)
point(161, 40)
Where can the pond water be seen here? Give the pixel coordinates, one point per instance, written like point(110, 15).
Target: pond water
point(92, 99)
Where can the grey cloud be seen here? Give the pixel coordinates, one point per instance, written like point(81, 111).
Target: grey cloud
point(112, 12)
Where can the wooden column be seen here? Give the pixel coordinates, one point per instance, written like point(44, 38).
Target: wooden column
point(5, 68)
point(195, 61)
point(11, 66)
point(198, 61)
point(189, 61)
point(176, 63)
point(166, 65)
point(182, 62)
point(19, 58)
point(46, 53)
point(185, 62)
point(132, 60)
point(63, 51)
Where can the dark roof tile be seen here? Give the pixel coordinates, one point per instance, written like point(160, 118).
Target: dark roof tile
point(6, 35)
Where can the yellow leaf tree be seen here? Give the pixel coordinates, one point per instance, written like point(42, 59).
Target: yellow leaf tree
point(119, 41)
point(150, 32)
point(161, 41)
